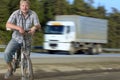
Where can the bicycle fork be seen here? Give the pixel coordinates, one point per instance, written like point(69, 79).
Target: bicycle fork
point(26, 66)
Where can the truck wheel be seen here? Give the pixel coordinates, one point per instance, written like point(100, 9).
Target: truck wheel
point(92, 51)
point(72, 51)
point(99, 48)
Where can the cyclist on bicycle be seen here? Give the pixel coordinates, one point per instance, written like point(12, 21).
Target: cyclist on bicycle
point(20, 20)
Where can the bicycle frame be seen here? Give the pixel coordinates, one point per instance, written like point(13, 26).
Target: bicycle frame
point(26, 64)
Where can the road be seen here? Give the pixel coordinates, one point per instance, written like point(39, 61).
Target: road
point(82, 76)
point(65, 58)
point(71, 67)
point(68, 72)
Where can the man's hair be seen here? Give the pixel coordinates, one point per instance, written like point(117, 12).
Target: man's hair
point(21, 1)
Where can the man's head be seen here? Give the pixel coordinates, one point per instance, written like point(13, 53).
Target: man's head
point(24, 6)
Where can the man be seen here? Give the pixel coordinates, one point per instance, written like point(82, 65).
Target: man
point(19, 21)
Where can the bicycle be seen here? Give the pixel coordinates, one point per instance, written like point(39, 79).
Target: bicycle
point(24, 58)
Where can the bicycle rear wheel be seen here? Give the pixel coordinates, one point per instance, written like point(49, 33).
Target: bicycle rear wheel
point(26, 68)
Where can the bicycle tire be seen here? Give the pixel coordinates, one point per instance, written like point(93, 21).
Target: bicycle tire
point(26, 68)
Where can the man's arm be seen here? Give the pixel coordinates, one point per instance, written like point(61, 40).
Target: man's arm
point(14, 27)
point(36, 27)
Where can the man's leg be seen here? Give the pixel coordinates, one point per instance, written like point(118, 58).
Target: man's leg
point(9, 52)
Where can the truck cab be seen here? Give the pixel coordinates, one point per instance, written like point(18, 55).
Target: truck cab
point(58, 35)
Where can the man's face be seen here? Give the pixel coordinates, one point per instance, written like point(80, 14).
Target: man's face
point(24, 7)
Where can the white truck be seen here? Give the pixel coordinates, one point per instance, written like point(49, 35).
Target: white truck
point(73, 33)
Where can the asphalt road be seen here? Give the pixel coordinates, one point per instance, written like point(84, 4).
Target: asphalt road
point(65, 58)
point(45, 58)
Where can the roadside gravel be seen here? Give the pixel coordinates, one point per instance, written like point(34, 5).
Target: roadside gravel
point(51, 71)
point(66, 67)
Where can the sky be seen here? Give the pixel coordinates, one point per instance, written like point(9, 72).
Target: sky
point(108, 4)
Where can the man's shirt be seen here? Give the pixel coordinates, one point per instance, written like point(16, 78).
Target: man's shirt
point(27, 22)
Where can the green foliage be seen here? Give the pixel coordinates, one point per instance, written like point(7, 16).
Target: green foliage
point(54, 7)
point(37, 39)
point(3, 14)
point(114, 30)
point(78, 7)
point(12, 5)
point(5, 36)
point(47, 9)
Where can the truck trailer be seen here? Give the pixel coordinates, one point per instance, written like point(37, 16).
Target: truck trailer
point(74, 33)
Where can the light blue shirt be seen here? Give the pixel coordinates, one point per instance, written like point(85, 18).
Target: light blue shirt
point(18, 19)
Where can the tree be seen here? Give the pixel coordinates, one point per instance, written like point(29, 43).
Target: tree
point(3, 14)
point(54, 7)
point(114, 29)
point(61, 7)
point(79, 7)
point(13, 5)
point(101, 11)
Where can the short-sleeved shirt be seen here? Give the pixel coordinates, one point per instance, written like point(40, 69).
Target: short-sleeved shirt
point(18, 19)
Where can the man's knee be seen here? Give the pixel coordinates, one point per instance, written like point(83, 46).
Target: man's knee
point(7, 57)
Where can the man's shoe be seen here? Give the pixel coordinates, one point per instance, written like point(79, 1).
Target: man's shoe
point(8, 74)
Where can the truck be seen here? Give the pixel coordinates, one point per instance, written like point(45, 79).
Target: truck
point(74, 33)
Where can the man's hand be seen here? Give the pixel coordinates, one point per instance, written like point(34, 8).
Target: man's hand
point(32, 30)
point(21, 30)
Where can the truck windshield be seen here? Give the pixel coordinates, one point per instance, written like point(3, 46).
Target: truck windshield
point(50, 29)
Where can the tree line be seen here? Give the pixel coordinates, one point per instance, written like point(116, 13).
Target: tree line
point(48, 9)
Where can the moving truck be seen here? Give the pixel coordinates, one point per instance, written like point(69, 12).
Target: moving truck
point(73, 33)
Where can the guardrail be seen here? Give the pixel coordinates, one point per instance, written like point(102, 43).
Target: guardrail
point(2, 46)
point(111, 49)
point(33, 47)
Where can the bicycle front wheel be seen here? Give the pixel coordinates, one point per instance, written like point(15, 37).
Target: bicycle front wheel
point(26, 69)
